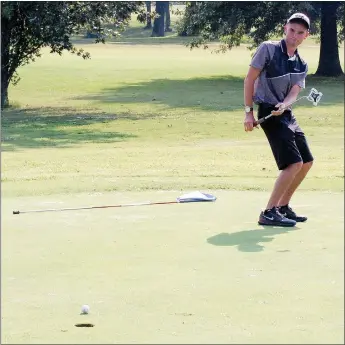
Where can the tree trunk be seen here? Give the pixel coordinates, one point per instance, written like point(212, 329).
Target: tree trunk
point(329, 63)
point(158, 23)
point(167, 17)
point(4, 95)
point(148, 15)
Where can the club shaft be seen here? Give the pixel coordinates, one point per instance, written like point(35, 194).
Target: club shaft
point(268, 116)
point(95, 207)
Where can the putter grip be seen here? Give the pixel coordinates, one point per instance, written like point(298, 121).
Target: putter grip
point(15, 212)
point(261, 120)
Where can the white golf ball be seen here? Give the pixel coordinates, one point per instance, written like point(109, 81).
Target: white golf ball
point(85, 309)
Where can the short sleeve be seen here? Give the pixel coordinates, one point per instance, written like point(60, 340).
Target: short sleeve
point(260, 57)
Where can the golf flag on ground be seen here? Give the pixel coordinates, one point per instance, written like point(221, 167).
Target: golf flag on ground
point(196, 197)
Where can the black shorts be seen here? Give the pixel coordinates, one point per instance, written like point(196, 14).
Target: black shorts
point(287, 140)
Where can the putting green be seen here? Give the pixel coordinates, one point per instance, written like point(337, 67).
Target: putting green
point(181, 273)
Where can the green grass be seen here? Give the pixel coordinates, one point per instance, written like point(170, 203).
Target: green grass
point(143, 122)
point(145, 117)
point(182, 274)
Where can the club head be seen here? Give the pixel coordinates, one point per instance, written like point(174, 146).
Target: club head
point(314, 96)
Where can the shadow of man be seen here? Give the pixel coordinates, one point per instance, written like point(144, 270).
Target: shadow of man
point(248, 240)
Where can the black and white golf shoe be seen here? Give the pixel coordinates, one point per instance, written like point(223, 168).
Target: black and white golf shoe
point(272, 217)
point(287, 211)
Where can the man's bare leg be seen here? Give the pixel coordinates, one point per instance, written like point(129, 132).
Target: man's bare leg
point(285, 199)
point(283, 182)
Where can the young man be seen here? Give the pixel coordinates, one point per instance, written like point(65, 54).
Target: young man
point(275, 77)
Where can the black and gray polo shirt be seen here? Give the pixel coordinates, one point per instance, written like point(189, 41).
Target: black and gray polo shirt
point(279, 73)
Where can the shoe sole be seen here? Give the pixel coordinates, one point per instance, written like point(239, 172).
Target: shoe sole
point(277, 224)
point(300, 221)
point(297, 220)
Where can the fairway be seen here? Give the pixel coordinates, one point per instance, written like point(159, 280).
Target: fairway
point(183, 273)
point(146, 119)
point(101, 121)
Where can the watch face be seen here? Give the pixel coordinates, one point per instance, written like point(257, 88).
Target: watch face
point(247, 109)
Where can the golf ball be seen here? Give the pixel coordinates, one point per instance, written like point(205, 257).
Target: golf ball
point(85, 309)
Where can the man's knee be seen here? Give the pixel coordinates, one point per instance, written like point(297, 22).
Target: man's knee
point(307, 166)
point(295, 167)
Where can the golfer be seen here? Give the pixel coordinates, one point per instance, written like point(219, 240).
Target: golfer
point(275, 77)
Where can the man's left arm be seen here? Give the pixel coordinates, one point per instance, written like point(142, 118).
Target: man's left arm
point(292, 95)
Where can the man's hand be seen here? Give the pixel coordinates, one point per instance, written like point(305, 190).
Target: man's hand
point(280, 109)
point(249, 122)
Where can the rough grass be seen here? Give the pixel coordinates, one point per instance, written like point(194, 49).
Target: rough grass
point(145, 117)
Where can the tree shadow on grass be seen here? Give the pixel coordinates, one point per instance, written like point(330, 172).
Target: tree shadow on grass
point(219, 93)
point(249, 240)
point(55, 127)
point(215, 93)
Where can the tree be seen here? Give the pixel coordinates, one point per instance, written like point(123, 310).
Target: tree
point(158, 23)
point(29, 26)
point(329, 63)
point(230, 21)
point(148, 15)
point(167, 17)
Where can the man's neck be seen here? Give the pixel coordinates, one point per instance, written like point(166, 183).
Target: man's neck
point(291, 50)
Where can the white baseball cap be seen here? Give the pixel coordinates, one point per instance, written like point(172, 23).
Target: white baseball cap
point(300, 16)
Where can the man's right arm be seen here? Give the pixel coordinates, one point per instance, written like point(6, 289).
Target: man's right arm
point(252, 75)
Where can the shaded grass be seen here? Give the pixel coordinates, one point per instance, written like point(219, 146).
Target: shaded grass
point(52, 127)
point(213, 93)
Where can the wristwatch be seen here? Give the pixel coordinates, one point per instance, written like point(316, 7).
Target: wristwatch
point(248, 109)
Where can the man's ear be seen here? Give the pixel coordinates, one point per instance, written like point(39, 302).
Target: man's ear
point(307, 34)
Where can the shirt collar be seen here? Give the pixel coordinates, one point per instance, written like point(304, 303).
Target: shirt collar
point(284, 47)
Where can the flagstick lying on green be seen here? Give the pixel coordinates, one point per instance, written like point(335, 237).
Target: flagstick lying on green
point(186, 198)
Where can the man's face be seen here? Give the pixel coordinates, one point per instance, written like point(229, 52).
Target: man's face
point(295, 34)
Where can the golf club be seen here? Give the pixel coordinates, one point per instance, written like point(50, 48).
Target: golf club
point(314, 96)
